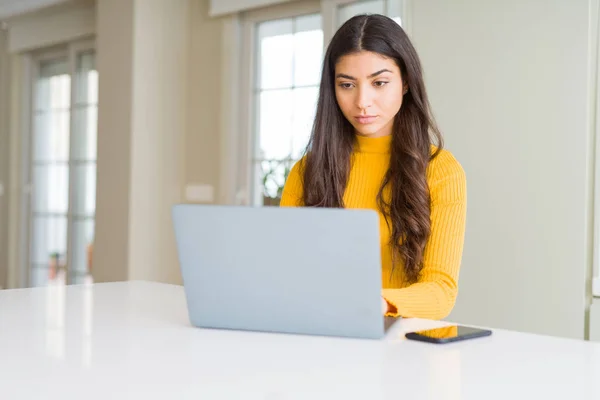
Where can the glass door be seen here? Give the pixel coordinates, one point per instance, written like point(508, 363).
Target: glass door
point(83, 166)
point(62, 166)
point(50, 170)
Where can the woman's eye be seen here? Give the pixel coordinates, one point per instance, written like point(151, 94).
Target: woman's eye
point(380, 83)
point(345, 85)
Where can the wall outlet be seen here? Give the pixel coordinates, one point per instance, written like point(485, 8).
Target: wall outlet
point(200, 193)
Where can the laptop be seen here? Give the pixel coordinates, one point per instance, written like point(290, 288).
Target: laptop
point(312, 271)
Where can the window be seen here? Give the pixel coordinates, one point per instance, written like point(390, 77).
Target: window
point(285, 57)
point(348, 9)
point(288, 71)
point(62, 169)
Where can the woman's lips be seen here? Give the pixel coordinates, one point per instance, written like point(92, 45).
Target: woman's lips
point(365, 119)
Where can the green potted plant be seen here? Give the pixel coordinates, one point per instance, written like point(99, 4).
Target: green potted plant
point(269, 181)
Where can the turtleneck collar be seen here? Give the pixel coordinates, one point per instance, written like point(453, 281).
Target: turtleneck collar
point(367, 144)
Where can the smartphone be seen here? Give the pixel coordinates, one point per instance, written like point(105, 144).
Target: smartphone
point(448, 334)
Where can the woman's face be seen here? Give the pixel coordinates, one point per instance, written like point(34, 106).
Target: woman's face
point(369, 91)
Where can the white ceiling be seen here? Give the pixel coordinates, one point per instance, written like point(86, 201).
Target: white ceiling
point(12, 8)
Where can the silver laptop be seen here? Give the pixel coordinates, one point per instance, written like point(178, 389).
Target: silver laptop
point(289, 270)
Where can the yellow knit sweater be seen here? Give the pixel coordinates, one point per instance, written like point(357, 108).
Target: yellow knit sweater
point(434, 295)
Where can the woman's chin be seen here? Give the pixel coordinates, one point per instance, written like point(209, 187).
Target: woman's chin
point(369, 131)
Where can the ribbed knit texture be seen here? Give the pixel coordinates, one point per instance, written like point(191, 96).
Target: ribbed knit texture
point(434, 295)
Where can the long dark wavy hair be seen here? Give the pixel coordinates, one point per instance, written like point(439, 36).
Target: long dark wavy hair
point(328, 156)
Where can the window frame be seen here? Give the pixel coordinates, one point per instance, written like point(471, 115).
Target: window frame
point(248, 106)
point(594, 152)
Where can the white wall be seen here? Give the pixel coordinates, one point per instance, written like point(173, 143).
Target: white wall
point(10, 8)
point(15, 189)
point(114, 46)
point(206, 70)
point(222, 7)
point(508, 82)
point(161, 47)
point(52, 26)
point(595, 321)
point(4, 155)
point(143, 48)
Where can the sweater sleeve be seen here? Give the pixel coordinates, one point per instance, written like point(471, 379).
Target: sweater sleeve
point(292, 190)
point(434, 295)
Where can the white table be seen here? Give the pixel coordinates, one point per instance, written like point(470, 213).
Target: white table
point(133, 340)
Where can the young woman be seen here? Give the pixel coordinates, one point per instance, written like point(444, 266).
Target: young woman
point(374, 145)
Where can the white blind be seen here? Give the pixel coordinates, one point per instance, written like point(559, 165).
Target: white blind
point(222, 7)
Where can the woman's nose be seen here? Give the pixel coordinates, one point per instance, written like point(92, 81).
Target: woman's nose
point(364, 98)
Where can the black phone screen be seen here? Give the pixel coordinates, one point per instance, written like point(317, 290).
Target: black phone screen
point(448, 334)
